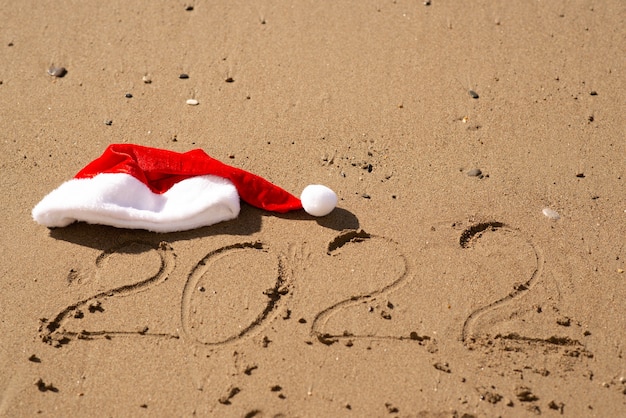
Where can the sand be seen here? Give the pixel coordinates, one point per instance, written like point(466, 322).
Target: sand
point(427, 293)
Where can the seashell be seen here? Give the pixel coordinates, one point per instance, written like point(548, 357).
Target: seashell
point(551, 213)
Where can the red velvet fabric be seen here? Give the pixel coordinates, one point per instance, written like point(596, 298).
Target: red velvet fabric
point(160, 169)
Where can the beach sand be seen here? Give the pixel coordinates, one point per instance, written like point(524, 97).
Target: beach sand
point(427, 293)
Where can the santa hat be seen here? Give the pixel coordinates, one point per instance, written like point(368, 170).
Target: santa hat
point(132, 186)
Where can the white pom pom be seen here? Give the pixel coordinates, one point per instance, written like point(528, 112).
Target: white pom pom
point(318, 200)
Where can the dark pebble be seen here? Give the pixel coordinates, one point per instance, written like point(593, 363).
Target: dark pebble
point(365, 196)
point(129, 96)
point(475, 172)
point(57, 71)
point(189, 8)
point(580, 175)
point(34, 359)
point(556, 406)
point(473, 94)
point(524, 394)
point(183, 76)
point(593, 93)
point(564, 321)
point(229, 80)
point(266, 341)
point(108, 122)
point(44, 387)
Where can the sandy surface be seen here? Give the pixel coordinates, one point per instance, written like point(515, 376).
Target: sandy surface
point(427, 293)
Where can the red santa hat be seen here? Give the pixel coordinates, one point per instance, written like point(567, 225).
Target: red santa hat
point(132, 186)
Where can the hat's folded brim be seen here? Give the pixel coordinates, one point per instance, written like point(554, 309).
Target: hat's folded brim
point(120, 200)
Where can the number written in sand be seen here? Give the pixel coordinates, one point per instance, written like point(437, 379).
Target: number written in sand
point(158, 261)
point(365, 310)
point(473, 236)
point(519, 302)
point(215, 308)
point(224, 302)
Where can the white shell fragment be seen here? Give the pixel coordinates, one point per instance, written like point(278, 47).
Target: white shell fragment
point(192, 102)
point(551, 213)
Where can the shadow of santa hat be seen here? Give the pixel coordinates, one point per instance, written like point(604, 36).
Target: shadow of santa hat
point(137, 187)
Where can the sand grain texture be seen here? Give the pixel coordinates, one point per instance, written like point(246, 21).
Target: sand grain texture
point(427, 293)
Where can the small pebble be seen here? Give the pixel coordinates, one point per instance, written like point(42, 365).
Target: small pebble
point(146, 79)
point(475, 172)
point(183, 76)
point(473, 94)
point(108, 122)
point(128, 96)
point(57, 71)
point(229, 80)
point(593, 93)
point(192, 102)
point(551, 213)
